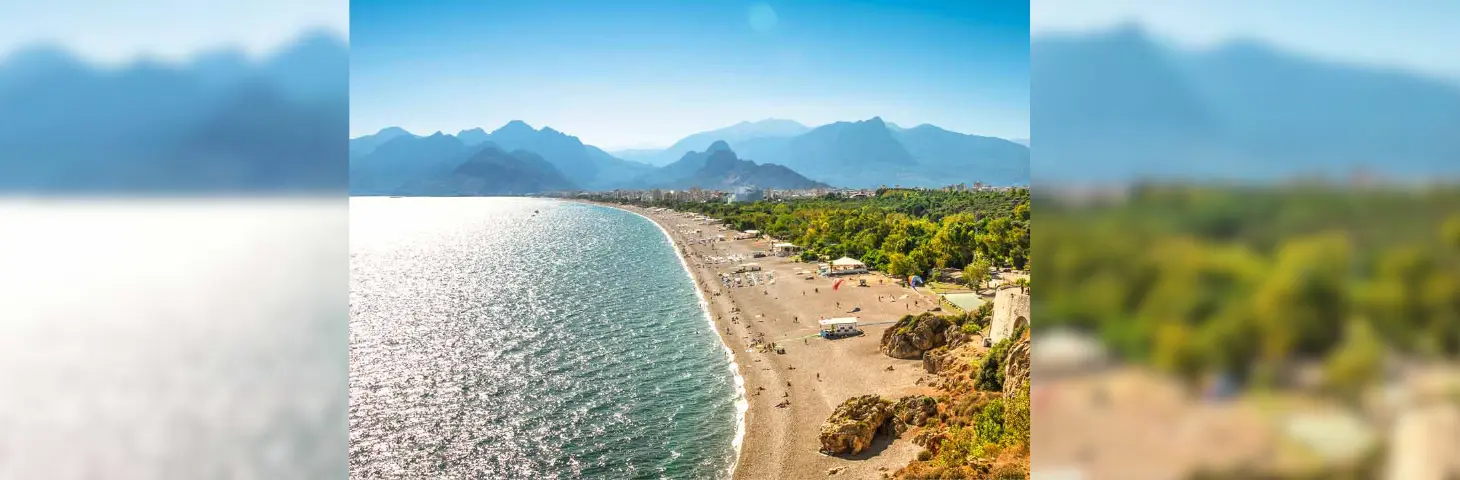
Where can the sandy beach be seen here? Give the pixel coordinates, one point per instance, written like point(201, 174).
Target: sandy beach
point(790, 394)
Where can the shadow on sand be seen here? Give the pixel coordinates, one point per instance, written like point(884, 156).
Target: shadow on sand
point(880, 442)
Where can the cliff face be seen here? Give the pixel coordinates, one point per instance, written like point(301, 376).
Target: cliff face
point(976, 433)
point(1016, 366)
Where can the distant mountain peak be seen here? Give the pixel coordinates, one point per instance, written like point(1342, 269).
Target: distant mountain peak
point(718, 146)
point(515, 126)
point(473, 136)
point(393, 131)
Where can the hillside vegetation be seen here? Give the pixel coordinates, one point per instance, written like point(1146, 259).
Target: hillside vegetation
point(899, 231)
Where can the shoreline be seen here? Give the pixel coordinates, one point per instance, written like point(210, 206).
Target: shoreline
point(777, 436)
point(742, 402)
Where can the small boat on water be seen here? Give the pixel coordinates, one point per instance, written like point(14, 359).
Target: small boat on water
point(394, 197)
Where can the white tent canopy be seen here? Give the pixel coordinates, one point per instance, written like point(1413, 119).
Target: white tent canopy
point(848, 262)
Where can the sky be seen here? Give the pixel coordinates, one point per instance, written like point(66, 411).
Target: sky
point(640, 73)
point(111, 32)
point(1415, 35)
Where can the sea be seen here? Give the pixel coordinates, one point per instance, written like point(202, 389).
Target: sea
point(530, 338)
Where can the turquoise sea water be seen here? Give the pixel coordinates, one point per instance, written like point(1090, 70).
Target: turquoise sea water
point(529, 338)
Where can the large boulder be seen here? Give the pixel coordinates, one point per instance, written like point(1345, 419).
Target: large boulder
point(913, 335)
point(912, 411)
point(851, 427)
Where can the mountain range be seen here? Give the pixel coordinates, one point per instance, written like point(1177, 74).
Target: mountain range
point(585, 166)
point(771, 154)
point(218, 122)
point(737, 134)
point(1120, 106)
point(867, 153)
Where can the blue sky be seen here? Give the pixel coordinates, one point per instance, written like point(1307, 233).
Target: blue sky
point(114, 32)
point(646, 73)
point(1415, 35)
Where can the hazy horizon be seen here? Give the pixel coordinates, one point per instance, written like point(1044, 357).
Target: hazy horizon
point(656, 146)
point(649, 74)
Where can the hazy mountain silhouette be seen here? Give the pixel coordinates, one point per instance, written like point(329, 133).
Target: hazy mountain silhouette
point(992, 160)
point(473, 136)
point(368, 143)
point(1119, 106)
point(406, 160)
point(444, 165)
point(869, 153)
point(584, 165)
point(493, 171)
point(735, 134)
point(218, 122)
point(719, 168)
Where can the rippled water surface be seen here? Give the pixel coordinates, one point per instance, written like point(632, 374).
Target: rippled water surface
point(528, 338)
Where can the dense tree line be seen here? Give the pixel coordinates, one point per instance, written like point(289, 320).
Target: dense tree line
point(899, 231)
point(1248, 281)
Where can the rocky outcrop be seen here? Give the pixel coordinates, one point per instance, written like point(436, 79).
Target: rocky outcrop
point(1016, 366)
point(851, 427)
point(956, 336)
point(912, 411)
point(933, 360)
point(913, 335)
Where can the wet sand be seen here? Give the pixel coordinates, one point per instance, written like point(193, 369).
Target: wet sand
point(814, 375)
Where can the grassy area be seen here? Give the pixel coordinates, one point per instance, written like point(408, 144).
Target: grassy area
point(945, 287)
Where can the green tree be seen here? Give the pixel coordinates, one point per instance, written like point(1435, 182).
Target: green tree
point(976, 274)
point(899, 265)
